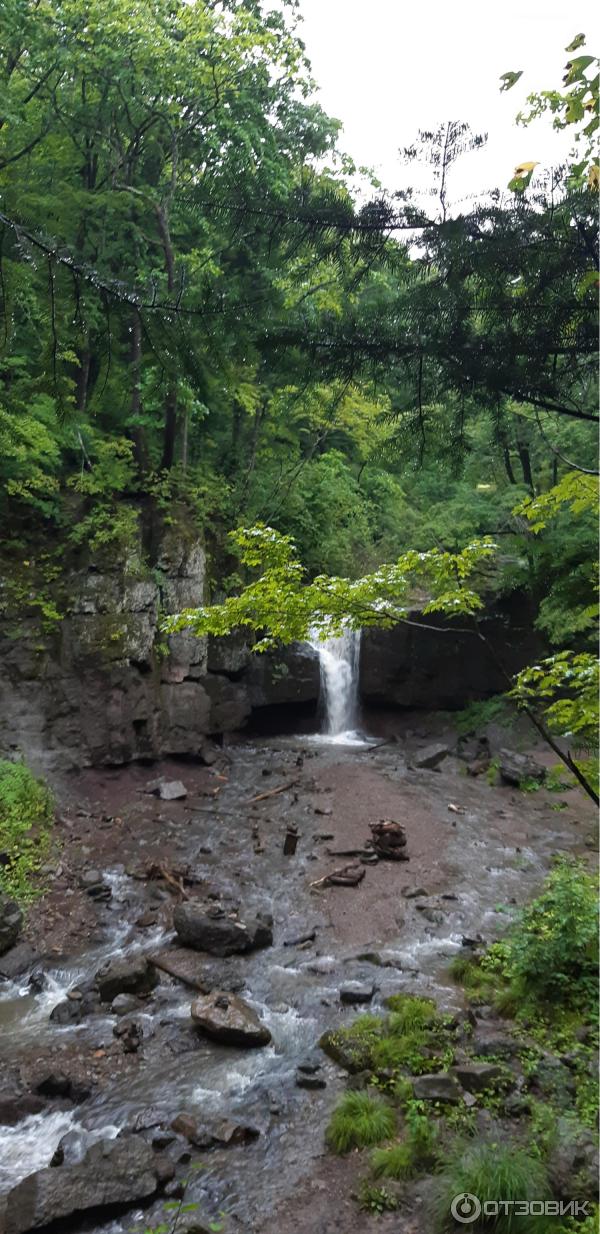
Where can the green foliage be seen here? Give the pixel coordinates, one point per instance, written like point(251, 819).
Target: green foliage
point(359, 1121)
point(26, 813)
point(494, 1171)
point(374, 1199)
point(553, 955)
point(416, 1153)
point(576, 107)
point(566, 687)
point(410, 1013)
point(475, 717)
point(283, 603)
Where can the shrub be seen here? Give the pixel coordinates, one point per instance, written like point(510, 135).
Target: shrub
point(491, 1172)
point(26, 808)
point(360, 1121)
point(554, 948)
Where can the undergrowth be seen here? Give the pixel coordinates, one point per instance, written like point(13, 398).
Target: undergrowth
point(26, 812)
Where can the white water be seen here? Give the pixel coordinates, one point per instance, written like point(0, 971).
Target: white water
point(339, 660)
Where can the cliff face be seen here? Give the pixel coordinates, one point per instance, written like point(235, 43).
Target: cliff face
point(105, 687)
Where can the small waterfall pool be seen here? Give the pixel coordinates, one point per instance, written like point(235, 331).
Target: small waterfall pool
point(339, 662)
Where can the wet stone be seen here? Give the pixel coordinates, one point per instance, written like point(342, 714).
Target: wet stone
point(356, 992)
point(312, 1082)
point(228, 1019)
point(11, 920)
point(430, 756)
point(132, 975)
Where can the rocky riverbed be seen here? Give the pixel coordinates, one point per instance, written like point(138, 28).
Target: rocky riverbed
point(162, 1008)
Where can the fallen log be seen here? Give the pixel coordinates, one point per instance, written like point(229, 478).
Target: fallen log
point(281, 788)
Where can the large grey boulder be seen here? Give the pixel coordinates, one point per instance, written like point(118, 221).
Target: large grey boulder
point(11, 920)
point(228, 1019)
point(211, 930)
point(131, 975)
point(515, 768)
point(113, 1172)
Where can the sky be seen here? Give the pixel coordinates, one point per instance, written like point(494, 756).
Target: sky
point(387, 68)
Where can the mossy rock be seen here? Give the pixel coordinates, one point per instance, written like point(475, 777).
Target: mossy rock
point(352, 1047)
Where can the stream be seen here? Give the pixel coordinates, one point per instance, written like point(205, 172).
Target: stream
point(472, 867)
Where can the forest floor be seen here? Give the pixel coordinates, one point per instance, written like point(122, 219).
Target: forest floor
point(472, 864)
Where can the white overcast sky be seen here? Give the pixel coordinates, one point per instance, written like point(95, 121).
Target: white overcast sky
point(386, 68)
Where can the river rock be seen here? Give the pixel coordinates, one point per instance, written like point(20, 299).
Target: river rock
point(476, 1077)
point(11, 920)
point(311, 1080)
point(430, 756)
point(228, 1019)
point(442, 1087)
point(186, 966)
point(515, 768)
point(356, 992)
point(206, 1135)
point(16, 961)
point(66, 1012)
point(21, 1105)
point(124, 1004)
point(167, 790)
point(130, 975)
point(218, 934)
point(113, 1172)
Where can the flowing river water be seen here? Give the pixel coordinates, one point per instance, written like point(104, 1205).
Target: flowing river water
point(473, 866)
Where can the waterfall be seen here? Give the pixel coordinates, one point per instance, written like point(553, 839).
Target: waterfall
point(339, 659)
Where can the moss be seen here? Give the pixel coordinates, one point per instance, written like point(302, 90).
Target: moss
point(352, 1047)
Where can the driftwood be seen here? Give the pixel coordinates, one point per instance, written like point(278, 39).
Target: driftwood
point(346, 852)
point(281, 788)
point(346, 876)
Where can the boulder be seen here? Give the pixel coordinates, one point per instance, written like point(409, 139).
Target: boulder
point(573, 1162)
point(515, 768)
point(442, 1087)
point(185, 965)
point(430, 756)
point(68, 1011)
point(356, 992)
point(11, 920)
point(16, 961)
point(124, 1004)
point(211, 930)
point(130, 975)
point(21, 1105)
point(113, 1172)
point(477, 1077)
point(228, 1019)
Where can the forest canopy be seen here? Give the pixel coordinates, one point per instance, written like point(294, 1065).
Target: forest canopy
point(203, 319)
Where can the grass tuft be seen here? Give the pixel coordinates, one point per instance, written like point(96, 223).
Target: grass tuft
point(492, 1172)
point(360, 1121)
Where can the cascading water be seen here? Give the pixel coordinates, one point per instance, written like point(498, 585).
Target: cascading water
point(339, 660)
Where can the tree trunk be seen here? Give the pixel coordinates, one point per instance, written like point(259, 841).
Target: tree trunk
point(137, 432)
